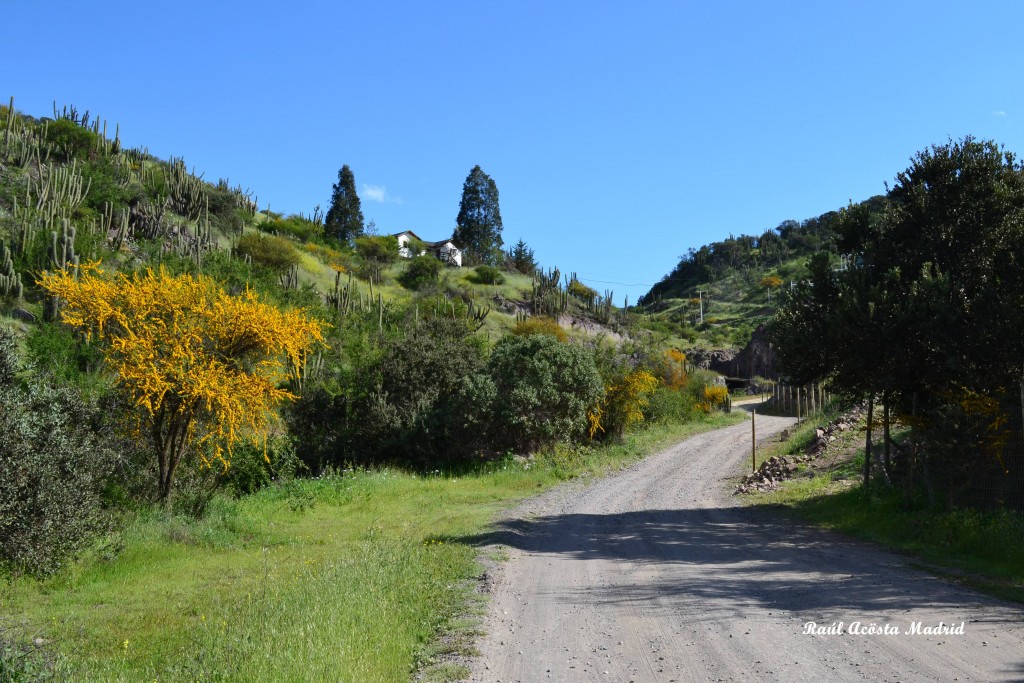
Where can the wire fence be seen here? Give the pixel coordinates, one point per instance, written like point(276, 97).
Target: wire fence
point(953, 450)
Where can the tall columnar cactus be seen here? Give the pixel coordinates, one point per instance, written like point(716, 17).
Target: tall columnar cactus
point(61, 253)
point(188, 193)
point(10, 280)
point(342, 296)
point(290, 279)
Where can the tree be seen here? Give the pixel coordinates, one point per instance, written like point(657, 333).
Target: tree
point(478, 225)
point(927, 312)
point(520, 258)
point(345, 217)
point(543, 389)
point(201, 366)
point(376, 253)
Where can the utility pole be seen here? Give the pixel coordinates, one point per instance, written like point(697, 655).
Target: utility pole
point(700, 293)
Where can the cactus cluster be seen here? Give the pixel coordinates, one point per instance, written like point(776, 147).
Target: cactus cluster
point(342, 297)
point(23, 144)
point(61, 253)
point(187, 192)
point(547, 297)
point(10, 281)
point(244, 199)
point(290, 278)
point(456, 309)
point(59, 186)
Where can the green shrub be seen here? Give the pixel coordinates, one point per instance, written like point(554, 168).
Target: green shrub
point(422, 272)
point(540, 324)
point(669, 406)
point(275, 253)
point(253, 469)
point(54, 464)
point(581, 291)
point(293, 226)
point(488, 275)
point(544, 388)
point(70, 139)
point(375, 253)
point(407, 391)
point(67, 359)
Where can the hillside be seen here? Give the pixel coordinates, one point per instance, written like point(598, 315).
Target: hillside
point(719, 294)
point(70, 192)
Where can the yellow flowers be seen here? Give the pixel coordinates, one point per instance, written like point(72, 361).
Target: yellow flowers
point(623, 404)
point(714, 396)
point(202, 366)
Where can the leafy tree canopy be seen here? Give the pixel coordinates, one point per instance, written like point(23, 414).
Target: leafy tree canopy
point(203, 367)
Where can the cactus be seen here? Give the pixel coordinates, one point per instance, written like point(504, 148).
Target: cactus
point(341, 298)
point(290, 278)
point(10, 280)
point(187, 192)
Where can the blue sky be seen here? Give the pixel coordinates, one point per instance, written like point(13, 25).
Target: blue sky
point(619, 135)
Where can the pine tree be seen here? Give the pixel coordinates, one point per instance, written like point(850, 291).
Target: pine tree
point(520, 258)
point(345, 217)
point(478, 226)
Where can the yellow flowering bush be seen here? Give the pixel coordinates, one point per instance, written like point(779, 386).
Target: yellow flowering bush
point(623, 404)
point(203, 367)
point(713, 397)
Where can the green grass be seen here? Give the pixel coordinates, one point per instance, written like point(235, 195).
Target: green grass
point(348, 577)
point(984, 549)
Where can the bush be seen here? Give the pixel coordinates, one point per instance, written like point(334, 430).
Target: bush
point(276, 253)
point(488, 275)
point(668, 406)
point(422, 272)
point(581, 291)
point(376, 253)
point(54, 464)
point(540, 325)
point(404, 414)
point(623, 405)
point(70, 139)
point(66, 359)
point(543, 390)
point(300, 228)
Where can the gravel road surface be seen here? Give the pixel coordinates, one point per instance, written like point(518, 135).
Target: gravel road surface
point(659, 574)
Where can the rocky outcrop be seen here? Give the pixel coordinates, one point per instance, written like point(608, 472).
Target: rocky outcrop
point(719, 360)
point(756, 359)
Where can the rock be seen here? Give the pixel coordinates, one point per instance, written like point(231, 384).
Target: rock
point(22, 314)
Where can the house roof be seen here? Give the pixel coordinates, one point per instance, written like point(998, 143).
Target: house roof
point(427, 243)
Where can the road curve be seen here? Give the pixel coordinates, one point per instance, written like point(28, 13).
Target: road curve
point(658, 574)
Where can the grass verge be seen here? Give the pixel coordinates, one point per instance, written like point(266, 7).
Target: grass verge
point(348, 577)
point(983, 549)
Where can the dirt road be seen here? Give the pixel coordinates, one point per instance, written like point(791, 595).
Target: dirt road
point(659, 574)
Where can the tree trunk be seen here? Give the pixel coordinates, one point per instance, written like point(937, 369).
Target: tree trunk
point(867, 444)
point(886, 463)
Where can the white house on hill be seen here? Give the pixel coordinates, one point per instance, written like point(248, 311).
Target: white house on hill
point(445, 250)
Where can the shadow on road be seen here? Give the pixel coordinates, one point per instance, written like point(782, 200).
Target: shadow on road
point(732, 559)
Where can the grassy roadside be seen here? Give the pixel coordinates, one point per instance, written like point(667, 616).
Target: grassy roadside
point(984, 549)
point(347, 577)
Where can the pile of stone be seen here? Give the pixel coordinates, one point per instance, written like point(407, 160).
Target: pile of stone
point(823, 436)
point(777, 469)
point(770, 474)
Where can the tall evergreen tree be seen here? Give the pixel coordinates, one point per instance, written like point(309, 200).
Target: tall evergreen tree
point(345, 217)
point(478, 226)
point(520, 258)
